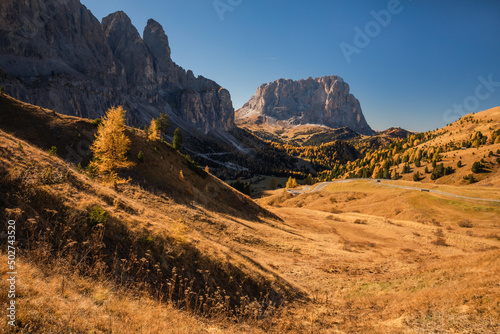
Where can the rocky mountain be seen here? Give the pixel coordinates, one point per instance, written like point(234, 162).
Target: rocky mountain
point(56, 54)
point(322, 101)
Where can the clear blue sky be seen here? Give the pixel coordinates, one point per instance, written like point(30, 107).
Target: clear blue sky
point(412, 72)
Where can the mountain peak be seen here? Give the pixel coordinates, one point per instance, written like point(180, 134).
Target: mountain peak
point(156, 39)
point(323, 101)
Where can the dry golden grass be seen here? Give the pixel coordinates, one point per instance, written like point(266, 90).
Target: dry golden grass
point(391, 260)
point(457, 132)
point(353, 258)
point(54, 302)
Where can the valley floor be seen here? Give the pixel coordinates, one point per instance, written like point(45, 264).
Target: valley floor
point(393, 266)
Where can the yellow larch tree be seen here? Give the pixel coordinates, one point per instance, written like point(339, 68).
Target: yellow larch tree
point(111, 145)
point(154, 130)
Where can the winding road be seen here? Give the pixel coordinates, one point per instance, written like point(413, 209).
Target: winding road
point(322, 185)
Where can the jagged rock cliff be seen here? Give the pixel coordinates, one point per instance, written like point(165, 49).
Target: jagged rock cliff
point(56, 54)
point(324, 101)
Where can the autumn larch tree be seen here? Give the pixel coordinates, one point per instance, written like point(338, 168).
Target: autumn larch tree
point(158, 127)
point(291, 183)
point(110, 146)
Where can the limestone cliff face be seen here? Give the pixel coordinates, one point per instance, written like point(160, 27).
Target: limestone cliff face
point(325, 101)
point(56, 54)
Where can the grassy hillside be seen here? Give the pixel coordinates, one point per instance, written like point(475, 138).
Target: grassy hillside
point(379, 259)
point(187, 254)
point(444, 156)
point(160, 234)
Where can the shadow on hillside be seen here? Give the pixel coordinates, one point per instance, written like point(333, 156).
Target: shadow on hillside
point(72, 137)
point(91, 242)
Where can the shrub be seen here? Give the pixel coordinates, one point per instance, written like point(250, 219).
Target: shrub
point(140, 157)
point(459, 164)
point(406, 169)
point(2, 90)
point(79, 168)
point(47, 176)
point(96, 122)
point(476, 167)
point(91, 171)
point(53, 151)
point(440, 241)
point(465, 223)
point(469, 179)
point(98, 216)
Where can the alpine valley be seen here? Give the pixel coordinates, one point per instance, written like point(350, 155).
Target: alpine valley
point(135, 199)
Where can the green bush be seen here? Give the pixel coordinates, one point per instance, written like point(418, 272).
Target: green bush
point(53, 151)
point(98, 216)
point(79, 168)
point(140, 157)
point(476, 167)
point(416, 177)
point(91, 170)
point(469, 179)
point(96, 122)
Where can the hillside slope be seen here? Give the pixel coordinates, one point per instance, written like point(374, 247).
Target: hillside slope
point(215, 261)
point(443, 156)
point(165, 226)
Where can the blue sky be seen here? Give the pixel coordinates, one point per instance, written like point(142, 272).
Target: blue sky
point(419, 66)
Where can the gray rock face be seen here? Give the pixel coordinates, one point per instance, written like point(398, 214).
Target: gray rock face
point(325, 101)
point(56, 54)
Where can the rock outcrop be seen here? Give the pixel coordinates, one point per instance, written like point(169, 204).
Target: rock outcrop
point(323, 101)
point(56, 54)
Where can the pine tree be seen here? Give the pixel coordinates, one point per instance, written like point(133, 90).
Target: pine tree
point(111, 145)
point(158, 127)
point(308, 180)
point(162, 124)
point(177, 143)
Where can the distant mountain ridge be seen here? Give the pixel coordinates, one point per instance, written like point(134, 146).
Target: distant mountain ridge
point(322, 101)
point(56, 54)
